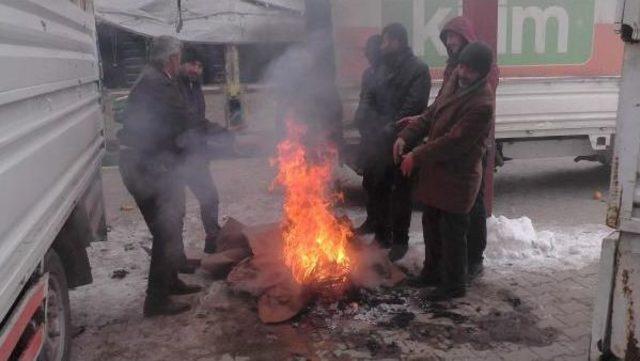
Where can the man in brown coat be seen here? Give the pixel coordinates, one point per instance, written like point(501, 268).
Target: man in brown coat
point(449, 167)
point(456, 35)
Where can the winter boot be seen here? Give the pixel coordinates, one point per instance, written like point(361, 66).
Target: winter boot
point(159, 307)
point(181, 288)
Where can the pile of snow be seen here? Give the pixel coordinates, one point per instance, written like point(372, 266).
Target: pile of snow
point(516, 242)
point(516, 239)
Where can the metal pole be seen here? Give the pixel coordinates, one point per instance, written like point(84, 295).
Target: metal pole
point(233, 88)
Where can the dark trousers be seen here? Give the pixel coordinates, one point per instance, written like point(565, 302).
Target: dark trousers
point(199, 180)
point(445, 236)
point(388, 201)
point(477, 237)
point(159, 194)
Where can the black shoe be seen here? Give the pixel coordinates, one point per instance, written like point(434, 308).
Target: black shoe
point(398, 251)
point(365, 228)
point(421, 281)
point(164, 307)
point(180, 288)
point(441, 294)
point(475, 271)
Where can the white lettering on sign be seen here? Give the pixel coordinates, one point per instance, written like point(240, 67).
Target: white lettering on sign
point(503, 28)
point(512, 21)
point(540, 18)
point(424, 31)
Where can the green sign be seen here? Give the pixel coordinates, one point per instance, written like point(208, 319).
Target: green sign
point(530, 32)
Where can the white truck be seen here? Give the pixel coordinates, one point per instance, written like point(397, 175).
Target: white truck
point(616, 324)
point(51, 145)
point(560, 63)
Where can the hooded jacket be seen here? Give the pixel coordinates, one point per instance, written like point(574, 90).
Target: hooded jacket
point(463, 27)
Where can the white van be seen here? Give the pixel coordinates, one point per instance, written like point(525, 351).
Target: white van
point(560, 64)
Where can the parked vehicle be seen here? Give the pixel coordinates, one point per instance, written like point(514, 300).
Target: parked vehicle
point(616, 327)
point(560, 64)
point(51, 145)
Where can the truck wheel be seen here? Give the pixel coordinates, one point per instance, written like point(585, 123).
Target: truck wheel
point(57, 343)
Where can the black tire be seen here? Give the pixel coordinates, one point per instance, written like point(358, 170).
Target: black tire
point(57, 343)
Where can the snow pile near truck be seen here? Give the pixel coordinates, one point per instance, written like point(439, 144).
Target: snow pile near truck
point(512, 240)
point(516, 242)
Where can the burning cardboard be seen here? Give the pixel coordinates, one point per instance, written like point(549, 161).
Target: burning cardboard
point(265, 275)
point(312, 253)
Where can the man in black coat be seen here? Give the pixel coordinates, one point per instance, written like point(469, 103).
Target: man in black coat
point(364, 114)
point(200, 131)
point(151, 155)
point(401, 88)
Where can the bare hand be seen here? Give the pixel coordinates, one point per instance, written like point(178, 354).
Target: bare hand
point(402, 123)
point(408, 163)
point(398, 150)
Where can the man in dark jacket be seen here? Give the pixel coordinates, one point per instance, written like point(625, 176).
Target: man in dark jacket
point(401, 88)
point(458, 126)
point(150, 163)
point(364, 114)
point(200, 131)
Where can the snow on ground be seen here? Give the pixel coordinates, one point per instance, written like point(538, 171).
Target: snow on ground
point(515, 242)
point(110, 310)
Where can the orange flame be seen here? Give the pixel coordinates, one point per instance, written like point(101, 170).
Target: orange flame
point(315, 240)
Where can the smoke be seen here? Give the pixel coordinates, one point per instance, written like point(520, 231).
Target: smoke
point(304, 81)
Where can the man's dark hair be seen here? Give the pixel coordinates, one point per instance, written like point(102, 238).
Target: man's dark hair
point(373, 44)
point(398, 32)
point(478, 56)
point(191, 54)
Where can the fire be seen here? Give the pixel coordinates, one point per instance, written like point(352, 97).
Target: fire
point(315, 240)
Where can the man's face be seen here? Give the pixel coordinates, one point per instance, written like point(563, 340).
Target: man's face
point(174, 64)
point(389, 45)
point(192, 69)
point(454, 42)
point(467, 76)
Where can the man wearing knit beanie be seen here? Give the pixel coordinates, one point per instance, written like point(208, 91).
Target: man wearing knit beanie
point(449, 168)
point(455, 36)
point(474, 63)
point(200, 133)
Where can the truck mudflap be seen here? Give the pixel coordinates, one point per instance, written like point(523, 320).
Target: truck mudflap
point(23, 333)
